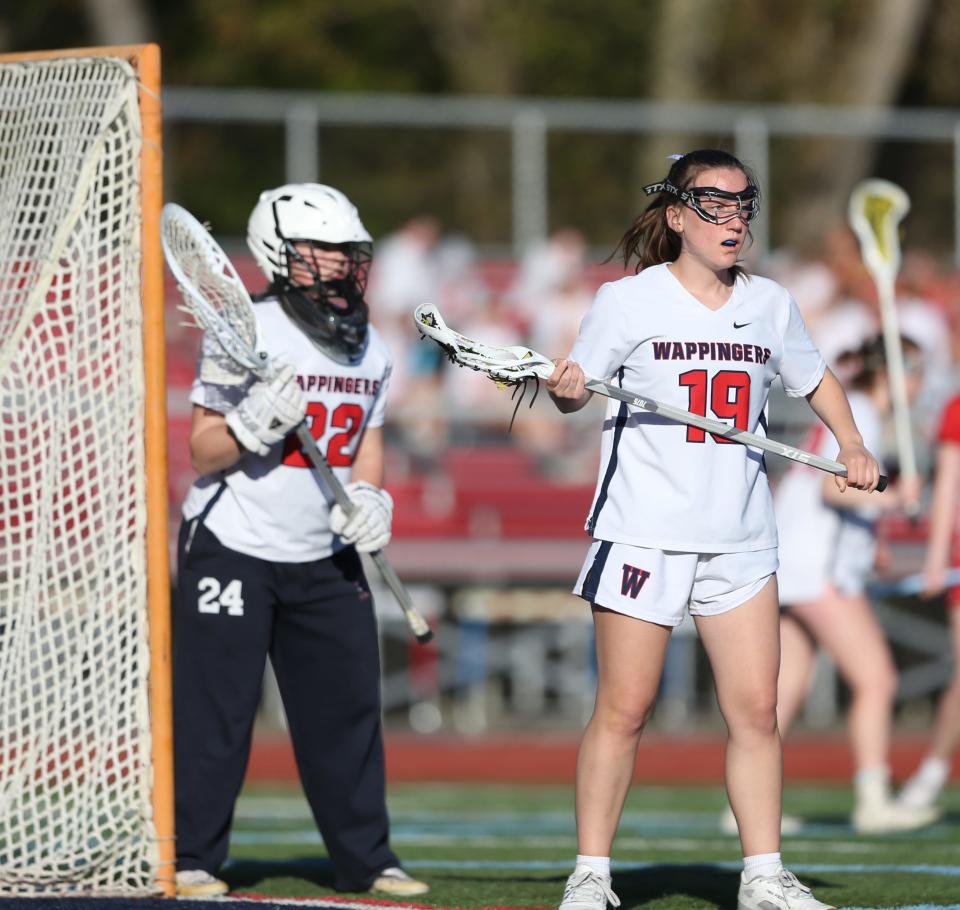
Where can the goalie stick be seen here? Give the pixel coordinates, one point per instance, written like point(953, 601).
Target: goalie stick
point(515, 365)
point(216, 299)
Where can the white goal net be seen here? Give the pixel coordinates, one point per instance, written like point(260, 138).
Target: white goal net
point(75, 772)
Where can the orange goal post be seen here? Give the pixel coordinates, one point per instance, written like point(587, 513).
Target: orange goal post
point(86, 783)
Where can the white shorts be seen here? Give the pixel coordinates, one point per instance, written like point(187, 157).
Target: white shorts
point(840, 553)
point(658, 585)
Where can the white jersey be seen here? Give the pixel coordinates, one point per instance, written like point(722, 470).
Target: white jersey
point(276, 507)
point(665, 485)
point(820, 544)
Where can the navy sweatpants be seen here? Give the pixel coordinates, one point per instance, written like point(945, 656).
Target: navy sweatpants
point(316, 622)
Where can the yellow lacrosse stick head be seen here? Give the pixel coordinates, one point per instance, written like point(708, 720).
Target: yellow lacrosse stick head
point(876, 209)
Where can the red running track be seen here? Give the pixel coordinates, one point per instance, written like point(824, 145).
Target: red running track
point(551, 758)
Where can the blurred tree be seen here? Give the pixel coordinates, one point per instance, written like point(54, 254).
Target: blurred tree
point(683, 46)
point(874, 52)
point(868, 69)
point(119, 21)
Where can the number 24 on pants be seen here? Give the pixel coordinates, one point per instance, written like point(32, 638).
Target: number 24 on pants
point(214, 597)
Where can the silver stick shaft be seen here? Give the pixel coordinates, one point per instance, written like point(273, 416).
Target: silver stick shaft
point(721, 429)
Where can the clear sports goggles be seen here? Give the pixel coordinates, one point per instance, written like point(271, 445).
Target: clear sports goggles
point(711, 204)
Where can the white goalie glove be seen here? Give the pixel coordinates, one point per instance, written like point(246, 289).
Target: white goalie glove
point(270, 410)
point(369, 528)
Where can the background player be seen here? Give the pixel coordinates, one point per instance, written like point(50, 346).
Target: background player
point(827, 550)
point(682, 519)
point(267, 566)
point(923, 789)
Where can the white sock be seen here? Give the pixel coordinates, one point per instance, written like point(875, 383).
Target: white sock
point(864, 776)
point(599, 864)
point(761, 864)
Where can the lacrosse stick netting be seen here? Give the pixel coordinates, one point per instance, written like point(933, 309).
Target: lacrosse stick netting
point(516, 365)
point(216, 299)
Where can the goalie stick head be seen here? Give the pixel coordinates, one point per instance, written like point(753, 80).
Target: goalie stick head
point(293, 232)
point(213, 294)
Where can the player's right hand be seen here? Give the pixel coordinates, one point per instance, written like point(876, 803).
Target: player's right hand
point(567, 380)
point(270, 410)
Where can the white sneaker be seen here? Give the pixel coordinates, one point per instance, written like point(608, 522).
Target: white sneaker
point(789, 824)
point(198, 883)
point(890, 816)
point(398, 883)
point(777, 892)
point(923, 789)
point(586, 889)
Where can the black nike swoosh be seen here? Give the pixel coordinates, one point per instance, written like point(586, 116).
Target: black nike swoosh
point(740, 325)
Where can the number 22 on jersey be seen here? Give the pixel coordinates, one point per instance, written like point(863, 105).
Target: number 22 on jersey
point(729, 396)
point(346, 417)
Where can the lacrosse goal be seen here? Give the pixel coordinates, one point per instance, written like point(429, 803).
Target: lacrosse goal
point(85, 736)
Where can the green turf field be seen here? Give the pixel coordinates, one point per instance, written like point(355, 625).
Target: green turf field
point(483, 845)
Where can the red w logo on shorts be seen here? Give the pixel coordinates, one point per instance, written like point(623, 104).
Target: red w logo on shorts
point(633, 579)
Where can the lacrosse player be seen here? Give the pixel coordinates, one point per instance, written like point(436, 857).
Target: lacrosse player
point(681, 519)
point(269, 565)
point(923, 788)
point(827, 550)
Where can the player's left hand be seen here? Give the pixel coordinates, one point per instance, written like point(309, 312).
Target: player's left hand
point(369, 528)
point(863, 471)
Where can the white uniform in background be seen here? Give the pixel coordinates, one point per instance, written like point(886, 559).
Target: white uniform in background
point(273, 507)
point(821, 544)
point(653, 337)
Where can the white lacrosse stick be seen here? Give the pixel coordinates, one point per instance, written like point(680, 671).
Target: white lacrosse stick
point(215, 297)
point(876, 209)
point(516, 364)
point(911, 584)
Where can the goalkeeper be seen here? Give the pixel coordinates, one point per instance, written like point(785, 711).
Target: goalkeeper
point(269, 564)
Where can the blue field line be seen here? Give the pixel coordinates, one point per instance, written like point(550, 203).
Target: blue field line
point(514, 827)
point(262, 815)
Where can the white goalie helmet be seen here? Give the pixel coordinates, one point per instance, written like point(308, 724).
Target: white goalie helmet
point(300, 211)
point(332, 312)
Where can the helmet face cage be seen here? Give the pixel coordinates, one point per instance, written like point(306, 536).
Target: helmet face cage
point(331, 312)
point(350, 288)
point(712, 204)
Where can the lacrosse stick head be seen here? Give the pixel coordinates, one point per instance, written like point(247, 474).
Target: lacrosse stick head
point(213, 294)
point(511, 365)
point(876, 209)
